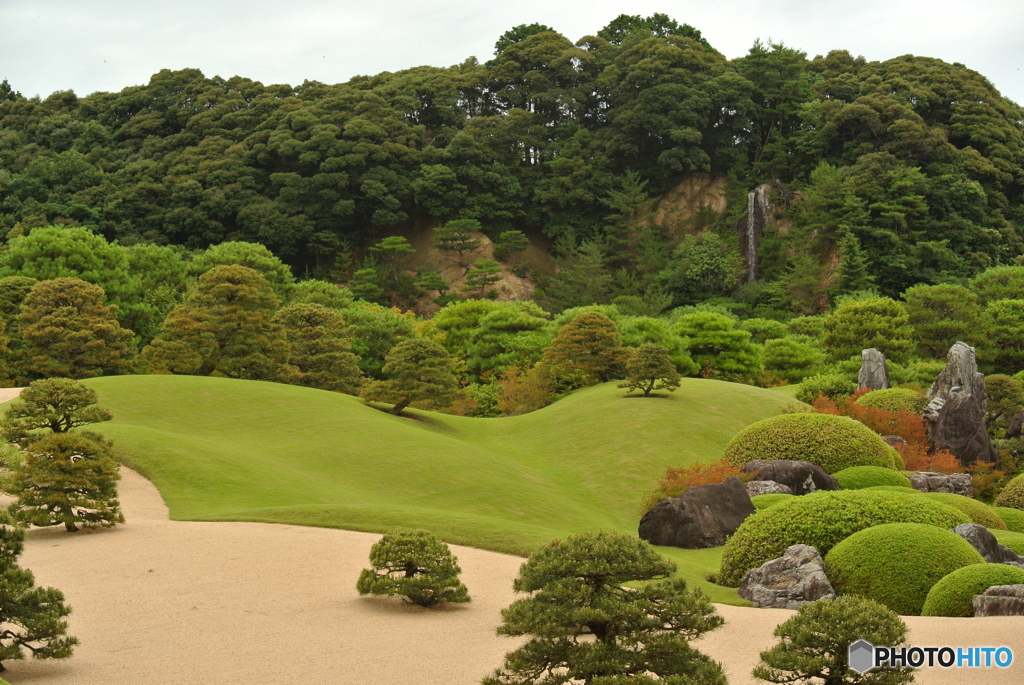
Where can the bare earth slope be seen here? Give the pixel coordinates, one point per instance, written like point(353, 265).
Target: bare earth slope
point(158, 601)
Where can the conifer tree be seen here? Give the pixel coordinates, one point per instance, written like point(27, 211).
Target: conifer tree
point(485, 272)
point(649, 368)
point(66, 478)
point(68, 331)
point(33, 617)
point(321, 356)
point(509, 244)
point(583, 626)
point(456, 237)
point(57, 405)
point(588, 348)
point(417, 370)
point(854, 274)
point(225, 329)
point(390, 250)
point(414, 564)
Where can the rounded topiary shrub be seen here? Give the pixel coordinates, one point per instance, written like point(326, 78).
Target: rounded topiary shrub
point(858, 477)
point(769, 500)
point(896, 564)
point(979, 512)
point(1013, 518)
point(895, 399)
point(1014, 541)
point(893, 488)
point(831, 385)
point(832, 442)
point(1012, 495)
point(822, 520)
point(952, 595)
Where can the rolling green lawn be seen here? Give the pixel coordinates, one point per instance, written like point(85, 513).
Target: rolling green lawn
point(229, 450)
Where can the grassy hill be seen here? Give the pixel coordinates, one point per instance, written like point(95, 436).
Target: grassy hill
point(221, 449)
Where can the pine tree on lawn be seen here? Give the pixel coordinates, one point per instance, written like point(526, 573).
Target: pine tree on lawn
point(650, 367)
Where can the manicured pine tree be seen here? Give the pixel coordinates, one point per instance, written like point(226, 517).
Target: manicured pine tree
point(56, 405)
point(321, 356)
point(485, 272)
point(456, 237)
point(583, 626)
point(66, 478)
point(588, 346)
point(649, 368)
point(68, 331)
point(416, 565)
point(33, 617)
point(390, 250)
point(417, 370)
point(509, 244)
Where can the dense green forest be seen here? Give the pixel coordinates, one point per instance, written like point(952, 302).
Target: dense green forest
point(908, 170)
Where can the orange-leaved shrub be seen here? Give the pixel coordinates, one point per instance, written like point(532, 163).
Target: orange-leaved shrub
point(677, 479)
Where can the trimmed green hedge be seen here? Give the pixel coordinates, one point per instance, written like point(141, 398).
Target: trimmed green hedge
point(765, 501)
point(1012, 495)
point(832, 442)
point(895, 399)
point(1013, 518)
point(822, 520)
point(858, 477)
point(952, 595)
point(832, 385)
point(978, 511)
point(896, 564)
point(1014, 541)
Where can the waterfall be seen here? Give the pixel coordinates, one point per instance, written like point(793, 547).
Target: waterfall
point(752, 235)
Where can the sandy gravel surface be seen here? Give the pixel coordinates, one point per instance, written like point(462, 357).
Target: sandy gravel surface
point(158, 601)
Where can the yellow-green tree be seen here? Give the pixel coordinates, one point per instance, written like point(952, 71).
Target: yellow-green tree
point(587, 350)
point(321, 356)
point(650, 368)
point(417, 370)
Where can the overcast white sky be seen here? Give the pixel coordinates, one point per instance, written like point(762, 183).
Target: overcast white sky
point(90, 45)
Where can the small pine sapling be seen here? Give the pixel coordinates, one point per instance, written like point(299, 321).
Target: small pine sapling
point(416, 565)
point(650, 367)
point(485, 273)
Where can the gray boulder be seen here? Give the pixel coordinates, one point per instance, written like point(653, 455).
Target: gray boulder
point(767, 487)
point(1016, 425)
point(1000, 600)
point(987, 545)
point(801, 477)
point(700, 517)
point(929, 481)
point(874, 372)
point(956, 414)
point(798, 576)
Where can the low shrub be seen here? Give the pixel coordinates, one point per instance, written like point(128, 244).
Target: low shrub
point(892, 488)
point(678, 479)
point(416, 565)
point(895, 399)
point(825, 385)
point(1012, 495)
point(1013, 518)
point(1012, 540)
point(979, 512)
point(832, 442)
point(896, 564)
point(952, 595)
point(769, 500)
point(857, 477)
point(822, 520)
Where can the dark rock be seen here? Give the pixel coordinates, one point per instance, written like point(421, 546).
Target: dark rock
point(894, 440)
point(700, 517)
point(874, 372)
point(1000, 600)
point(928, 481)
point(1016, 424)
point(767, 487)
point(801, 477)
point(798, 576)
point(987, 545)
point(956, 413)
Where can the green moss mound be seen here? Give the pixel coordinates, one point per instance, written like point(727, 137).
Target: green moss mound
point(859, 477)
point(896, 564)
point(978, 511)
point(892, 488)
point(832, 442)
point(1012, 495)
point(770, 500)
point(822, 520)
point(1014, 541)
point(1013, 518)
point(952, 595)
point(895, 399)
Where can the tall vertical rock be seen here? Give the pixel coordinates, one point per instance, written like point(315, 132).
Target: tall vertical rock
point(874, 372)
point(956, 413)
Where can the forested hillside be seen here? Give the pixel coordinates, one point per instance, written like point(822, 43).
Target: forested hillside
point(882, 174)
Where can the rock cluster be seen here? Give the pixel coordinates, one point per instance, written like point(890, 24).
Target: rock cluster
point(1000, 600)
point(956, 413)
point(987, 545)
point(703, 516)
point(928, 481)
point(767, 487)
point(801, 477)
point(798, 576)
point(874, 372)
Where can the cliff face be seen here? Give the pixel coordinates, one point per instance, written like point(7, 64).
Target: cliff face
point(692, 204)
